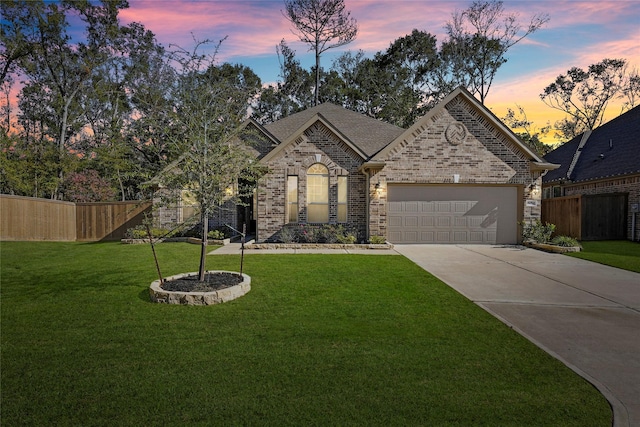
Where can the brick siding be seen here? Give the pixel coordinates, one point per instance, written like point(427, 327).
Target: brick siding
point(486, 156)
point(318, 145)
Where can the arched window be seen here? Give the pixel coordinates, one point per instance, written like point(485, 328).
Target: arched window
point(318, 193)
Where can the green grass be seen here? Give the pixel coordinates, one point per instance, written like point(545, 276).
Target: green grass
point(616, 253)
point(319, 340)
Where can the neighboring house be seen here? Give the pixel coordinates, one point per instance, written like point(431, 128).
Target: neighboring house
point(603, 165)
point(458, 175)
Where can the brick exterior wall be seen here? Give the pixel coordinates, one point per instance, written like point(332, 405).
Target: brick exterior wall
point(318, 145)
point(484, 156)
point(629, 184)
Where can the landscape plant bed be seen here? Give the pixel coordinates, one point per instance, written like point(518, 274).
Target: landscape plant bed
point(548, 247)
point(218, 287)
point(317, 246)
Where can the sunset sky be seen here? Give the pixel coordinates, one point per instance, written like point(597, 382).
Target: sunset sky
point(579, 33)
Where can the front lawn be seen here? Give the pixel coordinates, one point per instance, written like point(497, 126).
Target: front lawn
point(616, 253)
point(319, 340)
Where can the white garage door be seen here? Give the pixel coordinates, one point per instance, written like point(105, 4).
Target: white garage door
point(452, 214)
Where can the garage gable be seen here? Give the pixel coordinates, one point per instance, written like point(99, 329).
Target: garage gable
point(459, 137)
point(458, 175)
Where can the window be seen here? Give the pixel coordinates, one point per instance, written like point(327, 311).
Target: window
point(342, 199)
point(318, 193)
point(292, 198)
point(557, 191)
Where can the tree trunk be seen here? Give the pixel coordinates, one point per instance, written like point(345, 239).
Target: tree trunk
point(316, 92)
point(203, 250)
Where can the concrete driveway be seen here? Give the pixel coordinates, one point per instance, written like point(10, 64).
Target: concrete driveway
point(585, 314)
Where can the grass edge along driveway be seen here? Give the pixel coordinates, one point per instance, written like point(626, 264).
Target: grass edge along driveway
point(623, 254)
point(319, 340)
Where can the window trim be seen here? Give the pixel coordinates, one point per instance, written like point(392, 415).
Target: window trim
point(344, 204)
point(293, 207)
point(325, 203)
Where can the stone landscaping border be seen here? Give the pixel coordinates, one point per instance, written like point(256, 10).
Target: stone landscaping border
point(159, 295)
point(383, 246)
point(193, 240)
point(547, 247)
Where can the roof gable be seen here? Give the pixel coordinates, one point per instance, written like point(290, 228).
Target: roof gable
point(612, 149)
point(487, 115)
point(300, 134)
point(365, 134)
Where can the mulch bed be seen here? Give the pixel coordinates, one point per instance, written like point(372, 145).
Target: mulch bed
point(212, 282)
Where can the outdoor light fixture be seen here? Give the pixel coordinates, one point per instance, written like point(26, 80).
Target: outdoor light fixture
point(378, 188)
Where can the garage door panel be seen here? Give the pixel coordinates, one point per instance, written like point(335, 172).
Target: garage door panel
point(427, 236)
point(411, 221)
point(460, 221)
point(443, 221)
point(428, 207)
point(452, 214)
point(460, 236)
point(476, 237)
point(462, 207)
point(395, 221)
point(395, 236)
point(411, 206)
point(444, 207)
point(427, 221)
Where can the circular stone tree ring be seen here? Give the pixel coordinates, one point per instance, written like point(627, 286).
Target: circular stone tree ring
point(160, 295)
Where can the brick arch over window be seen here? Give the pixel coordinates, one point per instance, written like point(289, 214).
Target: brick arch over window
point(318, 193)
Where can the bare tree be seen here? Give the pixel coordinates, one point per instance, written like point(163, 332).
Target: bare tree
point(479, 38)
point(585, 94)
point(630, 90)
point(322, 24)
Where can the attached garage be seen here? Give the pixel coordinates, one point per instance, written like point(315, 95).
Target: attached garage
point(473, 214)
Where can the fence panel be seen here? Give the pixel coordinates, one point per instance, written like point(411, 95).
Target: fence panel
point(605, 216)
point(565, 213)
point(28, 218)
point(109, 220)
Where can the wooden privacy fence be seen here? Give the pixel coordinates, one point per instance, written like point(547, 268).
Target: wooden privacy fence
point(588, 217)
point(108, 221)
point(27, 218)
point(565, 213)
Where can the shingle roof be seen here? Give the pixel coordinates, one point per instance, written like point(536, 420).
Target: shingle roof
point(612, 149)
point(366, 133)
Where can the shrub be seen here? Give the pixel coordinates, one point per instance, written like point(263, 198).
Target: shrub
point(318, 233)
point(287, 235)
point(377, 240)
point(216, 235)
point(565, 241)
point(537, 232)
point(140, 232)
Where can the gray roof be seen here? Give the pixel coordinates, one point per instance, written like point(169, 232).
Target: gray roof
point(366, 133)
point(612, 149)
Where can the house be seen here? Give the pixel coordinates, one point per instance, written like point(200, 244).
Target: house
point(603, 167)
point(458, 175)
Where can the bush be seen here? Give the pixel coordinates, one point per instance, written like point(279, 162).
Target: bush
point(565, 241)
point(320, 233)
point(377, 240)
point(537, 232)
point(216, 235)
point(140, 232)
